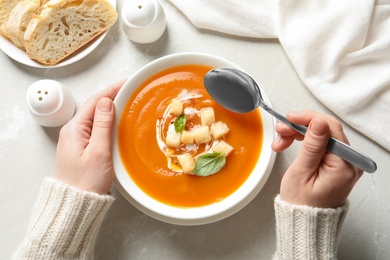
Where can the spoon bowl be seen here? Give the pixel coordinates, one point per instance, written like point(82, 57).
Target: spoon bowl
point(239, 92)
point(233, 89)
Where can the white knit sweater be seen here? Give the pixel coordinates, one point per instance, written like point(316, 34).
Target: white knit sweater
point(66, 220)
point(304, 232)
point(64, 223)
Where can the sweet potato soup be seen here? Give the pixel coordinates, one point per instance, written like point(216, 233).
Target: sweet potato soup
point(146, 159)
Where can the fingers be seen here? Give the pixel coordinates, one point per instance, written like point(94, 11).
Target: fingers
point(80, 126)
point(314, 145)
point(101, 136)
point(305, 117)
point(87, 111)
point(286, 137)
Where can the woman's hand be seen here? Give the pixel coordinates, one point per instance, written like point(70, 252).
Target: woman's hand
point(84, 151)
point(316, 177)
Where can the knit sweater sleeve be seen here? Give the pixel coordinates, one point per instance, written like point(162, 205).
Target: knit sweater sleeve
point(64, 223)
point(304, 232)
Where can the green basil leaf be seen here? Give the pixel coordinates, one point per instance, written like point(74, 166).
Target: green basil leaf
point(209, 163)
point(180, 123)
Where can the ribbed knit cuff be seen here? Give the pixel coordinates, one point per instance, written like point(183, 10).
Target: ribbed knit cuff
point(64, 223)
point(304, 232)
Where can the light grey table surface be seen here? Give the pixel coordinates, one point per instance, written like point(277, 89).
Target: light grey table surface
point(27, 155)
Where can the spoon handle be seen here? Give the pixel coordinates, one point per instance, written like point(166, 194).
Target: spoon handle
point(335, 146)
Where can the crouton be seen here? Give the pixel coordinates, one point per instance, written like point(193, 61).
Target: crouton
point(173, 139)
point(187, 162)
point(176, 107)
point(188, 137)
point(223, 147)
point(207, 116)
point(219, 129)
point(202, 135)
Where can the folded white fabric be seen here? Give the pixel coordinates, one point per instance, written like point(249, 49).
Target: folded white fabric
point(340, 49)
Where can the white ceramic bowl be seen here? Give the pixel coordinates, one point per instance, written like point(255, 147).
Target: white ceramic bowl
point(196, 215)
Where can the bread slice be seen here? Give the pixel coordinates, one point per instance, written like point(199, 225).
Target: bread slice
point(19, 18)
point(6, 7)
point(63, 26)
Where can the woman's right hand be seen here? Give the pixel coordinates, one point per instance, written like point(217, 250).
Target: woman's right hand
point(316, 178)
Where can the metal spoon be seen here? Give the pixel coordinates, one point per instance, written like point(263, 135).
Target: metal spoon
point(238, 92)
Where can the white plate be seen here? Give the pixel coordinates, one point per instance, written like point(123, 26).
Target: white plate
point(20, 56)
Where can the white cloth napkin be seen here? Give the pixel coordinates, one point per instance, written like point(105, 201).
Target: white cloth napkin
point(340, 49)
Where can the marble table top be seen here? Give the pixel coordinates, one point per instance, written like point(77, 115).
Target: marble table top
point(27, 154)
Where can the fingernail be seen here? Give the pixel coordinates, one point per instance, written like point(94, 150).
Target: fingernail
point(317, 127)
point(105, 105)
point(120, 81)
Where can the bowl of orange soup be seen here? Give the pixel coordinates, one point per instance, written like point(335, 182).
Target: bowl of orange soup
point(178, 155)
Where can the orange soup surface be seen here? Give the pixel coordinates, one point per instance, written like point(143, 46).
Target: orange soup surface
point(147, 165)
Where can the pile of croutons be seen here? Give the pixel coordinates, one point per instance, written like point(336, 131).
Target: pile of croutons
point(209, 132)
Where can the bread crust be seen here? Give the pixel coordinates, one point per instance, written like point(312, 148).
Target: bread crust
point(6, 7)
point(19, 19)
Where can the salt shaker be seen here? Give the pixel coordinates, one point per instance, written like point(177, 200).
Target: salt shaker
point(143, 21)
point(51, 104)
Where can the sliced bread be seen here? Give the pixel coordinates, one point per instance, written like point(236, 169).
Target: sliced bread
point(19, 18)
point(6, 7)
point(63, 26)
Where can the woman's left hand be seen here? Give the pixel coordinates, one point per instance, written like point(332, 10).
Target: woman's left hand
point(84, 151)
